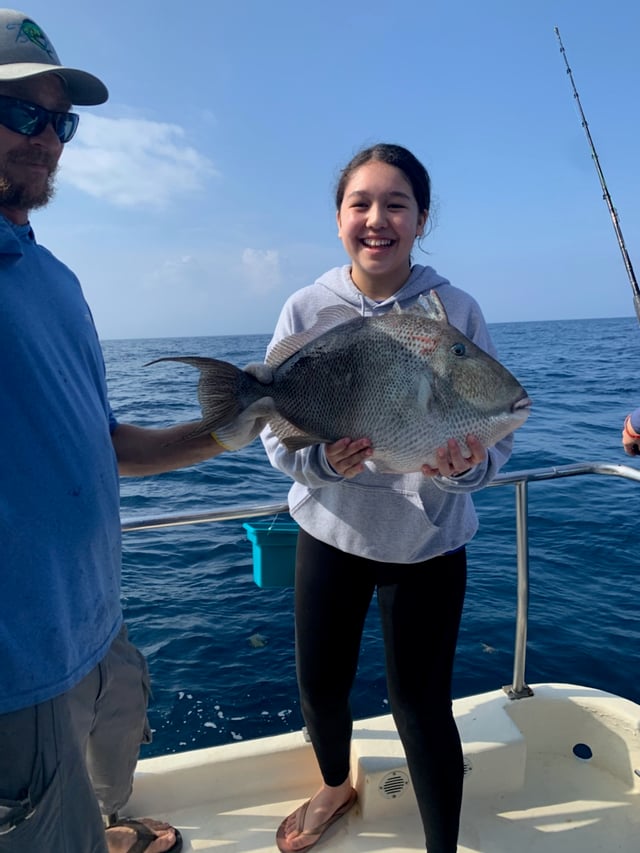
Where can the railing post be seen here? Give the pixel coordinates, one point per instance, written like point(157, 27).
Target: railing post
point(519, 688)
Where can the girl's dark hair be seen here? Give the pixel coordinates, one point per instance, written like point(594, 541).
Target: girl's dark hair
point(394, 155)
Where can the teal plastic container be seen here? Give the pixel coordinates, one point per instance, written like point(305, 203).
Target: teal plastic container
point(274, 551)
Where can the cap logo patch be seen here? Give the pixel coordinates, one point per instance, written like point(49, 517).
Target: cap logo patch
point(30, 31)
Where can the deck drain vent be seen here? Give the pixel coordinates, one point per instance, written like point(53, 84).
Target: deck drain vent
point(393, 784)
point(583, 751)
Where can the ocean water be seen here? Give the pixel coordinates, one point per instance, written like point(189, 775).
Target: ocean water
point(221, 649)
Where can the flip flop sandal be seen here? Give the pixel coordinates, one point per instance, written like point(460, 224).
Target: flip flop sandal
point(297, 819)
point(145, 836)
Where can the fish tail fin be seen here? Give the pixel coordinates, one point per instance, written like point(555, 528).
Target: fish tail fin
point(223, 391)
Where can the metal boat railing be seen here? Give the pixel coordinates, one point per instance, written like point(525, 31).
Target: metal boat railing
point(518, 689)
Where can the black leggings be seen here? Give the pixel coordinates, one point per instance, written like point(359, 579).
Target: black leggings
point(420, 608)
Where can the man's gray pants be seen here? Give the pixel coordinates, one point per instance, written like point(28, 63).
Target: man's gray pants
point(66, 761)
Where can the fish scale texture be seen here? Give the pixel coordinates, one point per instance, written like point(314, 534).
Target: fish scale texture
point(405, 381)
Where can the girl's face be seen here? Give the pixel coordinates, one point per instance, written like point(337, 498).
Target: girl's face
point(378, 222)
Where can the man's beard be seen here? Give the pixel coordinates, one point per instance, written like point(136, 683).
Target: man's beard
point(17, 195)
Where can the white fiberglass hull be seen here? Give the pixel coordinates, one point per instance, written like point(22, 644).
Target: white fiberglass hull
point(525, 788)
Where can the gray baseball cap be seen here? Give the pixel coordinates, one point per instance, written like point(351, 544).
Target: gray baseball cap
point(25, 51)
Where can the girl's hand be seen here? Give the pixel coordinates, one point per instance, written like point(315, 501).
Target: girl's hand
point(346, 457)
point(450, 460)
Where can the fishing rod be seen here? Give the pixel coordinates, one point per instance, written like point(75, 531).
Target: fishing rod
point(603, 184)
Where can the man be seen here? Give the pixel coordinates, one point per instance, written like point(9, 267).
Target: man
point(73, 689)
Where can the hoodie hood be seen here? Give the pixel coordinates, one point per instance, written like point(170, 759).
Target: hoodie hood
point(336, 287)
point(338, 281)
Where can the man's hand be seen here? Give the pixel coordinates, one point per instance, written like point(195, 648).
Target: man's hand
point(243, 429)
point(260, 371)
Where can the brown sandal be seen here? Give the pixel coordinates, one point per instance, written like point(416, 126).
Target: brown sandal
point(297, 818)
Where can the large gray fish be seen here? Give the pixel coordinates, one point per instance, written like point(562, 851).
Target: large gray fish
point(407, 380)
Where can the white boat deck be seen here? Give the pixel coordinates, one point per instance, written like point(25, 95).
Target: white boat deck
point(556, 772)
point(525, 790)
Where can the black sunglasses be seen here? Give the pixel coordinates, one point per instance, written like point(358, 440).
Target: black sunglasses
point(31, 119)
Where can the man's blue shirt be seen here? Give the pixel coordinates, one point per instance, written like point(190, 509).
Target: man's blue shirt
point(59, 492)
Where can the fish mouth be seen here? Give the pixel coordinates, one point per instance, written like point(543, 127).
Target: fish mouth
point(522, 407)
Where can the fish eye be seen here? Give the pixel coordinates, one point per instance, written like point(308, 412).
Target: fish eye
point(458, 349)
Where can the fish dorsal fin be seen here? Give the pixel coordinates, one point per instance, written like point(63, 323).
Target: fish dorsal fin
point(326, 318)
point(431, 305)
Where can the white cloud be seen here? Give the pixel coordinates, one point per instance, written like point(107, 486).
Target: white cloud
point(261, 270)
point(174, 272)
point(133, 162)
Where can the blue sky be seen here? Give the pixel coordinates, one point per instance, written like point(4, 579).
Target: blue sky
point(201, 195)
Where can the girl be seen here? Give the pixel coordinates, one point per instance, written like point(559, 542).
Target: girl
point(400, 536)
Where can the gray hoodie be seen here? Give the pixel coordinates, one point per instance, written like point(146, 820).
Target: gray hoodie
point(399, 518)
